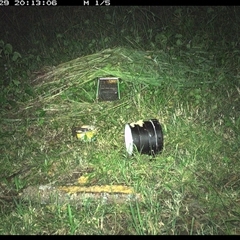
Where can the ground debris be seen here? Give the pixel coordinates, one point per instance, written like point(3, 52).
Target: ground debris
point(47, 194)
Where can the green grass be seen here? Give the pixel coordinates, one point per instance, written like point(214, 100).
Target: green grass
point(181, 68)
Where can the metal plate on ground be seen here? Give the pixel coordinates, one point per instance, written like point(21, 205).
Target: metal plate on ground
point(108, 89)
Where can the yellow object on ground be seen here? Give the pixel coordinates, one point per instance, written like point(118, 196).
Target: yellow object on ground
point(83, 180)
point(86, 133)
point(98, 189)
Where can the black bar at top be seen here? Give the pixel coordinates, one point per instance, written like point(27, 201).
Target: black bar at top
point(38, 3)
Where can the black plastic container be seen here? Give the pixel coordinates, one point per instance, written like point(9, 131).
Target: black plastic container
point(146, 136)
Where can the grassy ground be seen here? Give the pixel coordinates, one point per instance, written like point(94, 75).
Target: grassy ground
point(179, 65)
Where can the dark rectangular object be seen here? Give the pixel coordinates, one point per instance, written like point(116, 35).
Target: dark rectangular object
point(108, 89)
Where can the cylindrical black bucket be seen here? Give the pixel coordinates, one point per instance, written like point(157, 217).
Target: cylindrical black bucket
point(146, 136)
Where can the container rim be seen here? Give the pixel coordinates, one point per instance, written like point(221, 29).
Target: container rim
point(128, 139)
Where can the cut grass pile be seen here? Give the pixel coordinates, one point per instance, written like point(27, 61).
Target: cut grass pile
point(191, 188)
